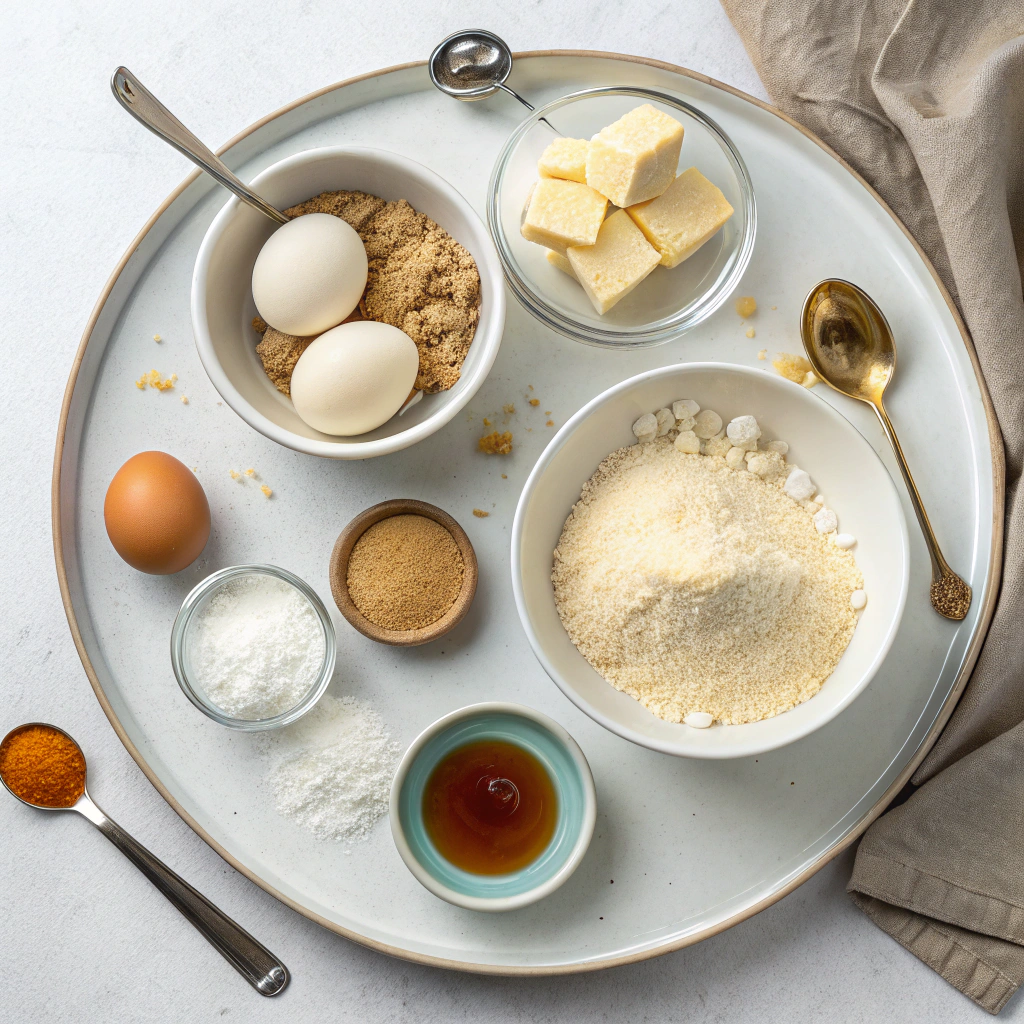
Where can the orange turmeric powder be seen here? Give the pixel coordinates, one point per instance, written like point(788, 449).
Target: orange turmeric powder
point(42, 766)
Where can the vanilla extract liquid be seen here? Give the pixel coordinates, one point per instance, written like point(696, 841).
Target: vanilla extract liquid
point(490, 807)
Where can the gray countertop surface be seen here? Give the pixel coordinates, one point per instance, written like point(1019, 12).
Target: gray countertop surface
point(84, 936)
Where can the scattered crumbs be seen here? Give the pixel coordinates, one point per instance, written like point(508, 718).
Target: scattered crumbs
point(496, 443)
point(795, 368)
point(234, 474)
point(220, 403)
point(792, 783)
point(259, 325)
point(746, 305)
point(775, 307)
point(530, 386)
point(504, 476)
point(267, 492)
point(184, 399)
point(508, 408)
point(751, 333)
point(487, 422)
point(763, 354)
point(550, 423)
point(250, 472)
point(195, 469)
point(154, 380)
point(157, 338)
point(535, 402)
point(480, 513)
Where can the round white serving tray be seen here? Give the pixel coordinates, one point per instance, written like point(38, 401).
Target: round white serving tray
point(682, 849)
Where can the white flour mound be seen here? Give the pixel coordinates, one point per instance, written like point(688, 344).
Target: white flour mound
point(335, 769)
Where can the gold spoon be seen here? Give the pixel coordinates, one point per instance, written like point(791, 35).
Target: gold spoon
point(851, 347)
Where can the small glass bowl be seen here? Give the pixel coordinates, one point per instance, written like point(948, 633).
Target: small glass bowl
point(668, 302)
point(181, 652)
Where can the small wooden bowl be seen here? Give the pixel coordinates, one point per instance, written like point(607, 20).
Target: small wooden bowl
point(339, 573)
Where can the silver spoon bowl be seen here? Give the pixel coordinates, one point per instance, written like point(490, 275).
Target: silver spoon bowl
point(250, 958)
point(472, 65)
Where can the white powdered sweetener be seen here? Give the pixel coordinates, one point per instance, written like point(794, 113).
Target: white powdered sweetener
point(335, 767)
point(256, 647)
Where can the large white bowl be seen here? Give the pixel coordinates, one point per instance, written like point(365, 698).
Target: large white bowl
point(841, 463)
point(223, 308)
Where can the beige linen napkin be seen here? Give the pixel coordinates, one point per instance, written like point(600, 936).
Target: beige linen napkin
point(926, 99)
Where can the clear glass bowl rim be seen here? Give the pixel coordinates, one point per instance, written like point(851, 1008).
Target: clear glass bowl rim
point(661, 331)
point(179, 632)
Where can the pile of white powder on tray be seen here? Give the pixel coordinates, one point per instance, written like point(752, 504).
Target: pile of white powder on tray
point(256, 646)
point(334, 769)
point(701, 584)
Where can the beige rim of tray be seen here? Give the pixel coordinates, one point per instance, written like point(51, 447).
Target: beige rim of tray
point(988, 598)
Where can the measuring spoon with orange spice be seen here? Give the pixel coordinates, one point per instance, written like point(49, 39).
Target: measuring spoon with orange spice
point(44, 767)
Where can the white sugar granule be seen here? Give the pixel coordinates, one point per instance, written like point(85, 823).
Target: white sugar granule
point(335, 768)
point(256, 647)
point(696, 588)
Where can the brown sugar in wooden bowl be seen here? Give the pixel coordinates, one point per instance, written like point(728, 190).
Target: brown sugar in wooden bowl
point(340, 564)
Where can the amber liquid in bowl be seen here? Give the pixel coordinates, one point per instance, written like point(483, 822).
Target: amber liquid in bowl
point(490, 807)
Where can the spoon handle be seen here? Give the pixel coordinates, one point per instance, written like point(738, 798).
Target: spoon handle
point(526, 103)
point(950, 595)
point(145, 107)
point(251, 959)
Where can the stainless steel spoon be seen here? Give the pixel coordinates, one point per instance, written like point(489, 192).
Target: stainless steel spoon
point(851, 347)
point(472, 65)
point(145, 107)
point(251, 959)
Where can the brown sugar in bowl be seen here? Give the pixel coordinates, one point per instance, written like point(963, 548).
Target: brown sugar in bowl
point(339, 573)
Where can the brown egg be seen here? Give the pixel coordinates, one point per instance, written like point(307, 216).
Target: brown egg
point(157, 515)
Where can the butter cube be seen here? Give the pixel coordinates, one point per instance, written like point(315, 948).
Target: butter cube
point(563, 213)
point(560, 261)
point(682, 218)
point(565, 158)
point(635, 159)
point(615, 264)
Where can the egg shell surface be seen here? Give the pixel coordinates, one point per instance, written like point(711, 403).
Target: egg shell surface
point(354, 378)
point(156, 514)
point(309, 274)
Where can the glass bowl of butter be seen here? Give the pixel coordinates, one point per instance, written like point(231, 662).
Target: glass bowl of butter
point(622, 216)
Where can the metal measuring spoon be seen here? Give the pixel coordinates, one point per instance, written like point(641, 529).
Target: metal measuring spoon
point(851, 347)
point(251, 959)
point(472, 65)
point(145, 107)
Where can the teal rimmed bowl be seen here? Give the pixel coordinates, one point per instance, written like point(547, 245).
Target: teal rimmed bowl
point(570, 774)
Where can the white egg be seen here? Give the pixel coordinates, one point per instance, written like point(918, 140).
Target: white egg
point(354, 378)
point(309, 274)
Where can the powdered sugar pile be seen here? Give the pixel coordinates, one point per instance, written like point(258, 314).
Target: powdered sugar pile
point(256, 647)
point(334, 775)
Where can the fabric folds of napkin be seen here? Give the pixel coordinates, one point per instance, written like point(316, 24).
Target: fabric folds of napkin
point(925, 99)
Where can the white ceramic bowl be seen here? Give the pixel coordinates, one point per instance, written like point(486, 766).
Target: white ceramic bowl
point(223, 308)
point(841, 463)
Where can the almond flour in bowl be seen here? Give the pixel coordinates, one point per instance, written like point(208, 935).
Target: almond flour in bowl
point(701, 588)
